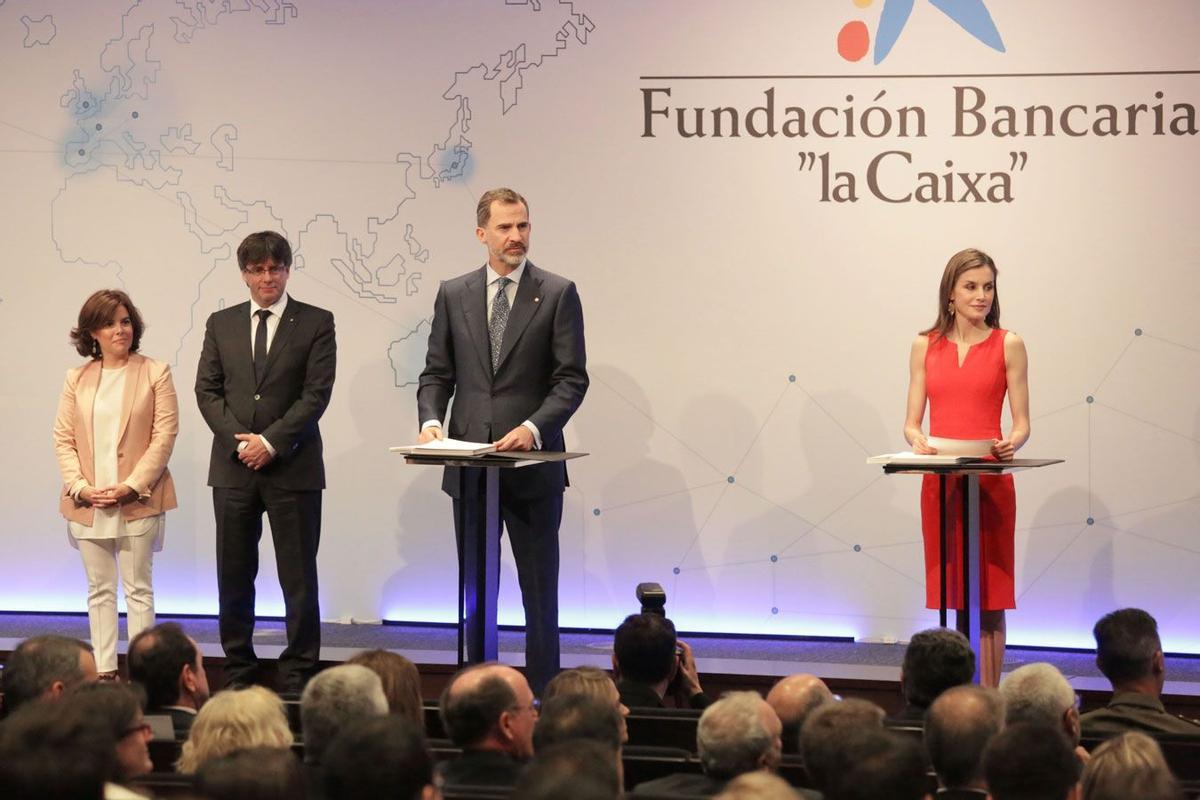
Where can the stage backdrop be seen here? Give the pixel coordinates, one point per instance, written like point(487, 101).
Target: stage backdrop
point(756, 200)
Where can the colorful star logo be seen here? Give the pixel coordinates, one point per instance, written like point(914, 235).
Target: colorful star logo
point(854, 40)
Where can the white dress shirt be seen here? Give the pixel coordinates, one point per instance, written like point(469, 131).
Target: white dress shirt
point(276, 310)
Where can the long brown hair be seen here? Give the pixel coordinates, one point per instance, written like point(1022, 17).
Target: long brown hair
point(959, 263)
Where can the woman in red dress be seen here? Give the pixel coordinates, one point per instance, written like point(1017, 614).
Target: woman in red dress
point(963, 366)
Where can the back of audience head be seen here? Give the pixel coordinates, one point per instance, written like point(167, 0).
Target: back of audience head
point(257, 773)
point(1026, 761)
point(738, 733)
point(935, 660)
point(574, 770)
point(878, 765)
point(826, 731)
point(490, 706)
point(401, 682)
point(571, 717)
point(757, 785)
point(958, 727)
point(1128, 649)
point(53, 750)
point(43, 667)
point(169, 666)
point(590, 681)
point(644, 648)
point(379, 757)
point(119, 707)
point(1126, 766)
point(334, 698)
point(233, 720)
point(1038, 693)
point(794, 698)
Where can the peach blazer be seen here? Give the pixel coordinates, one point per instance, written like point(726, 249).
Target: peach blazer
point(149, 424)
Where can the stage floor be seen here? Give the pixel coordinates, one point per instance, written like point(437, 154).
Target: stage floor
point(745, 656)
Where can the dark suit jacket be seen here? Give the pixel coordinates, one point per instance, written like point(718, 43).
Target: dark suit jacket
point(481, 768)
point(640, 695)
point(682, 784)
point(284, 405)
point(181, 720)
point(542, 375)
point(1131, 711)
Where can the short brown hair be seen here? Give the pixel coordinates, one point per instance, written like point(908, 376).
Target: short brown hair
point(483, 211)
point(96, 312)
point(258, 248)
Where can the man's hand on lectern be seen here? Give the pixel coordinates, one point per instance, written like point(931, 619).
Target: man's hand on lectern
point(429, 434)
point(519, 438)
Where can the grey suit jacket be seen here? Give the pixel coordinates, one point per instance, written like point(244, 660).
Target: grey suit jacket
point(542, 375)
point(283, 405)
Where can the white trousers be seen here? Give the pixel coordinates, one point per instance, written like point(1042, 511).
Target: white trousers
point(133, 556)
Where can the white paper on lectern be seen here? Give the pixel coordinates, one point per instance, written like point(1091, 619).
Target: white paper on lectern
point(960, 447)
point(446, 447)
point(918, 458)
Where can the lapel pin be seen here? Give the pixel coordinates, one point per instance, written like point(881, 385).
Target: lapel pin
point(537, 299)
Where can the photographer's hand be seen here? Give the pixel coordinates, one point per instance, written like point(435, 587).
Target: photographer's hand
point(689, 678)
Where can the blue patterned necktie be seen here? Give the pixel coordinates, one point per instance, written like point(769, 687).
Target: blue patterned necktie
point(499, 320)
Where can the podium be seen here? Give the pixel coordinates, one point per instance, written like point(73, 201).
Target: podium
point(967, 620)
point(479, 566)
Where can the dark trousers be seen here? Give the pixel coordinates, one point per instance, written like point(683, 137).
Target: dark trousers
point(296, 532)
point(532, 526)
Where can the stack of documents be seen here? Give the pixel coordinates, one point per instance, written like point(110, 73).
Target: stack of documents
point(446, 447)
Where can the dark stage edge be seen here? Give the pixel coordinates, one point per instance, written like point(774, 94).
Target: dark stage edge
point(757, 659)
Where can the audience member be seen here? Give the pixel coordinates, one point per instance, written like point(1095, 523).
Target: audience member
point(958, 727)
point(51, 750)
point(43, 667)
point(235, 719)
point(570, 770)
point(1127, 766)
point(1129, 653)
point(590, 681)
point(379, 757)
point(794, 698)
point(1027, 761)
point(489, 711)
point(650, 662)
point(170, 667)
point(400, 679)
point(935, 660)
point(758, 785)
point(1038, 693)
point(571, 717)
point(878, 765)
point(826, 731)
point(117, 706)
point(333, 699)
point(257, 773)
point(739, 733)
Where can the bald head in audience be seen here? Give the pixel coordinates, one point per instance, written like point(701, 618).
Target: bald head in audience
point(794, 698)
point(490, 707)
point(958, 727)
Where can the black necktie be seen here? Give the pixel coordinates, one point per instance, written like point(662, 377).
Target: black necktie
point(260, 344)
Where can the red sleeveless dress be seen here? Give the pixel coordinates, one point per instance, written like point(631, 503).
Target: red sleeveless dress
point(965, 403)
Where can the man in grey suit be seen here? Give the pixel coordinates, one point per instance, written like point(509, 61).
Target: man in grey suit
point(264, 380)
point(507, 343)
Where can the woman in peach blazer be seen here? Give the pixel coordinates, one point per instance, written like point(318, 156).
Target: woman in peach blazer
point(116, 426)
